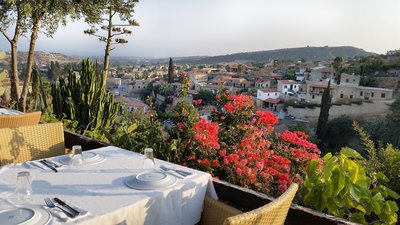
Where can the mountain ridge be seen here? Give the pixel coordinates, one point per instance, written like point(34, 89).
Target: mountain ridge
point(294, 54)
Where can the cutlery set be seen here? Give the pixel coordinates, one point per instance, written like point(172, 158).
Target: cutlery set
point(180, 172)
point(64, 207)
point(47, 163)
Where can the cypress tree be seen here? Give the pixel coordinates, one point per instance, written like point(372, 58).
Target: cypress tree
point(171, 71)
point(324, 113)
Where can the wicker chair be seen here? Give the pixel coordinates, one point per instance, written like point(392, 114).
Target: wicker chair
point(274, 213)
point(20, 144)
point(25, 119)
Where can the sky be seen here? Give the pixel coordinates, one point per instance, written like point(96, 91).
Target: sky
point(173, 28)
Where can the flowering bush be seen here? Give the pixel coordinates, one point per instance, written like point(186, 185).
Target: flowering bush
point(239, 146)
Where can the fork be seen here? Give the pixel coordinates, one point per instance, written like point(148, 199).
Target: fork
point(52, 163)
point(50, 204)
point(180, 172)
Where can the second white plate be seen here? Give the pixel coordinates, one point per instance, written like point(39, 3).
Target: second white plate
point(150, 180)
point(88, 158)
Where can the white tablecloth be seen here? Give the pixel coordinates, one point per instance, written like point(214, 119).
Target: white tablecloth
point(100, 189)
point(4, 111)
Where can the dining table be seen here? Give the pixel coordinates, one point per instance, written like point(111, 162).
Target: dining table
point(6, 111)
point(102, 190)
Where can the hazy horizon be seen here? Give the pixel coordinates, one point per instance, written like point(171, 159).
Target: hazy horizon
point(180, 28)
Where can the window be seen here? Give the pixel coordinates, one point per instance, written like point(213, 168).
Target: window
point(268, 94)
point(313, 96)
point(372, 94)
point(383, 95)
point(354, 80)
point(361, 93)
point(285, 86)
point(347, 80)
point(276, 94)
point(351, 96)
point(341, 95)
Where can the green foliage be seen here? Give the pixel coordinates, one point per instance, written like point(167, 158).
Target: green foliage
point(324, 113)
point(386, 130)
point(368, 81)
point(171, 71)
point(84, 99)
point(290, 75)
point(381, 160)
point(337, 134)
point(206, 96)
point(3, 74)
point(139, 131)
point(35, 99)
point(342, 188)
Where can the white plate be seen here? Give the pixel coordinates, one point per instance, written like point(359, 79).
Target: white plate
point(150, 180)
point(16, 216)
point(43, 217)
point(88, 158)
point(25, 216)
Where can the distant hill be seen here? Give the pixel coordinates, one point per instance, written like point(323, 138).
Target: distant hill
point(295, 54)
point(42, 58)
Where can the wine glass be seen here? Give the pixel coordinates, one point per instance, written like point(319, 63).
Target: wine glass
point(76, 156)
point(148, 159)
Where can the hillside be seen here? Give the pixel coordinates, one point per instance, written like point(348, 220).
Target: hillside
point(42, 58)
point(295, 54)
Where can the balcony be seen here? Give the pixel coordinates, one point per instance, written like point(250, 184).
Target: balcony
point(239, 197)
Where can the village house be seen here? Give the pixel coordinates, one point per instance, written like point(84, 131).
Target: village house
point(320, 73)
point(131, 105)
point(288, 87)
point(348, 90)
point(263, 83)
point(269, 98)
point(198, 76)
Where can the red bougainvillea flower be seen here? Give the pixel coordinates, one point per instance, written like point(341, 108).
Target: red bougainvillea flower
point(184, 74)
point(181, 126)
point(298, 138)
point(197, 102)
point(206, 133)
point(266, 118)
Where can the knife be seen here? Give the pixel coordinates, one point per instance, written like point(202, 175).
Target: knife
point(45, 163)
point(59, 201)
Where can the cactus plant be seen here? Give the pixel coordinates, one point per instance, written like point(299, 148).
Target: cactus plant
point(84, 99)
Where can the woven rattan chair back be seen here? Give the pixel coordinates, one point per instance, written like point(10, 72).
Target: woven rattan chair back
point(20, 144)
point(273, 213)
point(25, 119)
point(215, 212)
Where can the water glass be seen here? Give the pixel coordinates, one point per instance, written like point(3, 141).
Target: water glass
point(23, 188)
point(76, 156)
point(149, 159)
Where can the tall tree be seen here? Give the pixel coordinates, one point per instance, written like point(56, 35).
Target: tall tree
point(105, 15)
point(171, 71)
point(13, 12)
point(324, 113)
point(338, 66)
point(46, 15)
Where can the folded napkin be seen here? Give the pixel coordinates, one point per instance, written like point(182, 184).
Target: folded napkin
point(174, 172)
point(60, 215)
point(37, 164)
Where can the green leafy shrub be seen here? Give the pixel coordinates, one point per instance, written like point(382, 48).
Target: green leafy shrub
point(342, 188)
point(381, 159)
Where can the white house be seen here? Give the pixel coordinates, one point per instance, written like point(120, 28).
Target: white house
point(269, 98)
point(263, 94)
point(288, 87)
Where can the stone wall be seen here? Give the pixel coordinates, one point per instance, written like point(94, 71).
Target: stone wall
point(365, 110)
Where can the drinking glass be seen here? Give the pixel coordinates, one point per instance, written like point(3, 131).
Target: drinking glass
point(149, 159)
point(76, 156)
point(23, 189)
